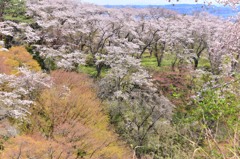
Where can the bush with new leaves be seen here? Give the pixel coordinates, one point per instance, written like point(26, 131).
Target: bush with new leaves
point(17, 57)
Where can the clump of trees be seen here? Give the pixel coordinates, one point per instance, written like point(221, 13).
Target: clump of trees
point(71, 122)
point(78, 35)
point(69, 35)
point(136, 107)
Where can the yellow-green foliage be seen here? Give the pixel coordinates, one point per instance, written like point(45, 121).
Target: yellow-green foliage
point(17, 57)
point(31, 147)
point(70, 116)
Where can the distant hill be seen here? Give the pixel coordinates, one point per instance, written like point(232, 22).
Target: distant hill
point(189, 9)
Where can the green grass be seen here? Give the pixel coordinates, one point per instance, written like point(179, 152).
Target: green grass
point(204, 63)
point(151, 62)
point(19, 19)
point(91, 70)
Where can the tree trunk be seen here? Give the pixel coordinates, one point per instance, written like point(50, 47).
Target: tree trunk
point(174, 64)
point(196, 61)
point(99, 70)
point(159, 59)
point(150, 53)
point(234, 64)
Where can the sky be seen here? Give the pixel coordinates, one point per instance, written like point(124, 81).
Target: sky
point(143, 2)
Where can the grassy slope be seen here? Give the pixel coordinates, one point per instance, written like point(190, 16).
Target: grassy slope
point(148, 62)
point(151, 62)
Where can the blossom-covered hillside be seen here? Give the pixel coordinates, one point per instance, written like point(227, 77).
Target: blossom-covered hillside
point(79, 80)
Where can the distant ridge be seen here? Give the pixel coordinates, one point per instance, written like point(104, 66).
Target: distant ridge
point(189, 9)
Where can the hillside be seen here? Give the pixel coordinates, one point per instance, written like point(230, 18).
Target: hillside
point(79, 80)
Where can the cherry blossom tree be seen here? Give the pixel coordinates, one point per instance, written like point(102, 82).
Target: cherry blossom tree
point(134, 99)
point(17, 93)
